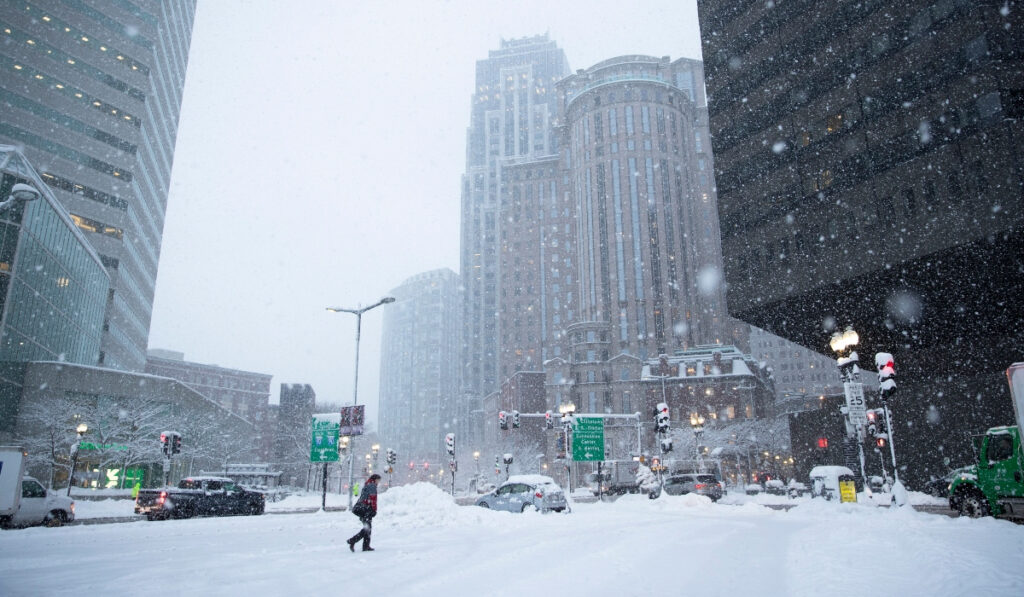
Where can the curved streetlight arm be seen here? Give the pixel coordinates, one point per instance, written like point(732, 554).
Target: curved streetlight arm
point(355, 386)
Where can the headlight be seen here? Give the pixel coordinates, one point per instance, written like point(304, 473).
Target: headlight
point(72, 507)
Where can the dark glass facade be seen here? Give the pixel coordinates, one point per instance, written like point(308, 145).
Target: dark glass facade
point(869, 173)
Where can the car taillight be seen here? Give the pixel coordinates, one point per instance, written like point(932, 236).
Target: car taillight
point(162, 498)
point(701, 485)
point(539, 494)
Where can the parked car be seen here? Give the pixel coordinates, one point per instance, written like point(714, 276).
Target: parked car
point(775, 487)
point(701, 484)
point(753, 489)
point(523, 492)
point(797, 489)
point(940, 487)
point(199, 496)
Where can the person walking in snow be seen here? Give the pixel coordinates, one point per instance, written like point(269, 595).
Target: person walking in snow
point(365, 508)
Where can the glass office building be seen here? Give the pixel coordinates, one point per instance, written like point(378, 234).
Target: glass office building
point(53, 285)
point(91, 93)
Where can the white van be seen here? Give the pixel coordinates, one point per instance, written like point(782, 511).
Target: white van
point(825, 481)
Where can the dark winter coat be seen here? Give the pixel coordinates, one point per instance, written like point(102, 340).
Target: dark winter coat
point(368, 496)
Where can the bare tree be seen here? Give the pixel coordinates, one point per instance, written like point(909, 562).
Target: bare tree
point(48, 432)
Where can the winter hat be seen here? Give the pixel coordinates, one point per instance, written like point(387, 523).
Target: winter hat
point(374, 477)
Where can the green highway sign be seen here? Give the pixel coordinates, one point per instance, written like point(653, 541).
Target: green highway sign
point(588, 439)
point(324, 445)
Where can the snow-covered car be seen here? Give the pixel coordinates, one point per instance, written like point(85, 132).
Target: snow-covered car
point(701, 484)
point(796, 488)
point(775, 487)
point(753, 489)
point(523, 492)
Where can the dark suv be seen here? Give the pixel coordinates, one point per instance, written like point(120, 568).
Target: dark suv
point(701, 484)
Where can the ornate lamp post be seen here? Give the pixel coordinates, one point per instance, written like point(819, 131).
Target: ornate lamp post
point(81, 429)
point(697, 423)
point(855, 411)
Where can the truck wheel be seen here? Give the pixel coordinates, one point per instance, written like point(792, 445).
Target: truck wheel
point(973, 505)
point(55, 518)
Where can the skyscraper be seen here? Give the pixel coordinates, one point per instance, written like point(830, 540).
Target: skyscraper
point(513, 107)
point(92, 92)
point(869, 173)
point(633, 152)
point(420, 365)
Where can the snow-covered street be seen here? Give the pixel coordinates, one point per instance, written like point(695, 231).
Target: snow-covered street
point(427, 545)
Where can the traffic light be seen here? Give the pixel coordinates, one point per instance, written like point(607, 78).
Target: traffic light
point(503, 420)
point(164, 439)
point(515, 419)
point(880, 442)
point(661, 418)
point(176, 444)
point(886, 373)
point(666, 445)
point(549, 422)
point(872, 426)
point(449, 443)
point(822, 443)
point(392, 456)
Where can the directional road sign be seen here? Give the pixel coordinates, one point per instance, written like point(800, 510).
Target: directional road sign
point(324, 445)
point(588, 438)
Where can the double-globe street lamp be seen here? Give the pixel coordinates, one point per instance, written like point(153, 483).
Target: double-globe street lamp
point(355, 392)
point(855, 412)
point(697, 423)
point(81, 429)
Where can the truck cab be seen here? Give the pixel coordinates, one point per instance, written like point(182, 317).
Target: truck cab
point(995, 485)
point(39, 506)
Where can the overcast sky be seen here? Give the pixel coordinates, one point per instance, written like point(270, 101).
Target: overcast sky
point(318, 164)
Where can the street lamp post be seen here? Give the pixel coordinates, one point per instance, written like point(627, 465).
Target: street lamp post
point(697, 423)
point(855, 412)
point(355, 391)
point(567, 410)
point(81, 429)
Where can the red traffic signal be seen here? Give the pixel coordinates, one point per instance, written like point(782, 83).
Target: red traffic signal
point(502, 419)
point(880, 442)
point(822, 443)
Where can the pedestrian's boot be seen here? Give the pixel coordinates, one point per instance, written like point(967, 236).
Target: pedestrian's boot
point(352, 543)
point(366, 544)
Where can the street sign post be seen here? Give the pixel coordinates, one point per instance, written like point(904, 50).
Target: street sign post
point(324, 445)
point(588, 439)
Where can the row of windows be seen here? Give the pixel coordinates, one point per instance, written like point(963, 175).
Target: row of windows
point(90, 225)
point(84, 68)
point(66, 121)
point(83, 38)
point(64, 152)
point(39, 77)
point(90, 193)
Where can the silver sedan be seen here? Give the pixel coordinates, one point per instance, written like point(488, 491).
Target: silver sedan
point(525, 492)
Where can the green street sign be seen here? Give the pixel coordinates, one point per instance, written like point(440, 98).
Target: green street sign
point(324, 444)
point(588, 439)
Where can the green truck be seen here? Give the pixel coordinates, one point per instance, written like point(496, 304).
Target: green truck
point(995, 484)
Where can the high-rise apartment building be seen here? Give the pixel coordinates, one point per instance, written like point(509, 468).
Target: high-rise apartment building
point(619, 230)
point(92, 93)
point(513, 109)
point(420, 366)
point(869, 173)
point(647, 248)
